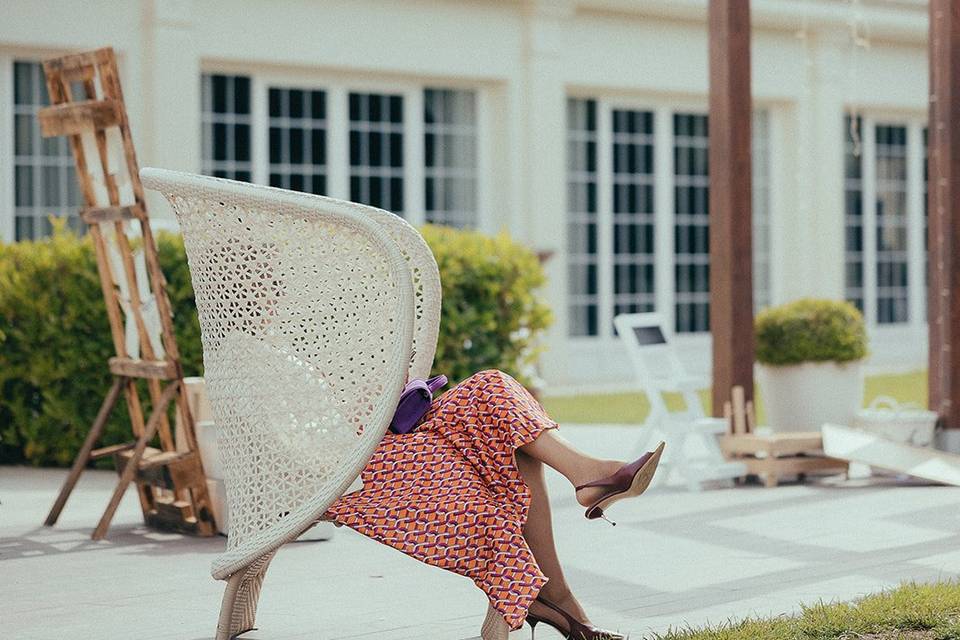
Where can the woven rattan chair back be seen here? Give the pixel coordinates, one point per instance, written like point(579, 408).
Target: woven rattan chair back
point(313, 313)
point(306, 310)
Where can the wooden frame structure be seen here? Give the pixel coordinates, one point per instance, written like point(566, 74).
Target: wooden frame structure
point(944, 211)
point(87, 106)
point(731, 245)
point(731, 295)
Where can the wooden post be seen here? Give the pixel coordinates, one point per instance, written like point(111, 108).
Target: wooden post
point(944, 211)
point(731, 250)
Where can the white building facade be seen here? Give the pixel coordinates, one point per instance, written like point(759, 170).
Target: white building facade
point(578, 126)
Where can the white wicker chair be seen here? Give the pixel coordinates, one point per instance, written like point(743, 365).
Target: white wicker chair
point(313, 311)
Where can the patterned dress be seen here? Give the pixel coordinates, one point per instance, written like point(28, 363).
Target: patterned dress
point(450, 493)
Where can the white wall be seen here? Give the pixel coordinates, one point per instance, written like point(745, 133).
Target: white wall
point(525, 56)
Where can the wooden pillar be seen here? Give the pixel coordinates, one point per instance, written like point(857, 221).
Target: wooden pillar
point(944, 211)
point(731, 247)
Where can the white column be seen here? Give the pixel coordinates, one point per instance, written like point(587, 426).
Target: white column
point(605, 253)
point(543, 164)
point(338, 143)
point(413, 198)
point(868, 134)
point(664, 214)
point(814, 236)
point(171, 92)
point(259, 131)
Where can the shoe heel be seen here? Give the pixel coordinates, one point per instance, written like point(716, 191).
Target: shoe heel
point(602, 515)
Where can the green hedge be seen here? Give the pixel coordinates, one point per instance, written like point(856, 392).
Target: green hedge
point(55, 339)
point(810, 330)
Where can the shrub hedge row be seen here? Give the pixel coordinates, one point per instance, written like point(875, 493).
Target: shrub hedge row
point(55, 339)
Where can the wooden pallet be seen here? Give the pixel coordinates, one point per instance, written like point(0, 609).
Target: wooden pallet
point(87, 106)
point(773, 456)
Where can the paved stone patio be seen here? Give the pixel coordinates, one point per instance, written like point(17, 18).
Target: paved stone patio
point(675, 559)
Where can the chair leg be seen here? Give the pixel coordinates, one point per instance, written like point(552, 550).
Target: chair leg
point(238, 611)
point(494, 626)
point(83, 457)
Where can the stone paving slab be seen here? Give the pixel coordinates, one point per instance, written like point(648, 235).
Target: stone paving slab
point(675, 558)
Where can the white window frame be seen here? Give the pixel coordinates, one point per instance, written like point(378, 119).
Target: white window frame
point(663, 110)
point(916, 263)
point(337, 89)
point(8, 215)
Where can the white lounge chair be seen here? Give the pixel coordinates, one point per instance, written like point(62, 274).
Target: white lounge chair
point(313, 311)
point(693, 454)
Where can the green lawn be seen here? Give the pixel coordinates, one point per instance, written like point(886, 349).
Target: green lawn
point(911, 612)
point(632, 408)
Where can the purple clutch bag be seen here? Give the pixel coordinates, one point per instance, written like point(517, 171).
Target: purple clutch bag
point(414, 403)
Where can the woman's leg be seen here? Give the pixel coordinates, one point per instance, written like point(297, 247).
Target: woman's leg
point(553, 450)
point(538, 532)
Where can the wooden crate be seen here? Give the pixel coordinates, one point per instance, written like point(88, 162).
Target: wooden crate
point(773, 456)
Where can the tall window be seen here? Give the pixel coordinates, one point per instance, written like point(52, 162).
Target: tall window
point(633, 212)
point(692, 223)
point(885, 219)
point(354, 145)
point(298, 142)
point(638, 225)
point(45, 181)
point(225, 117)
point(892, 287)
point(450, 157)
point(582, 247)
point(376, 150)
point(853, 212)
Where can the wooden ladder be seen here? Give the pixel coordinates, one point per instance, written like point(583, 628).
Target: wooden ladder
point(87, 106)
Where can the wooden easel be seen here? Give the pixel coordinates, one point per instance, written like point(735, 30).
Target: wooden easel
point(87, 106)
point(774, 455)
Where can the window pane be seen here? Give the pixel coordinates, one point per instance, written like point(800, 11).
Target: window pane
point(44, 180)
point(376, 127)
point(584, 299)
point(691, 223)
point(226, 126)
point(450, 156)
point(298, 139)
point(853, 211)
point(892, 261)
point(633, 212)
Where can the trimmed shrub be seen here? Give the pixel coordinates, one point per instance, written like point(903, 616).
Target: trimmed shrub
point(491, 316)
point(810, 330)
point(55, 342)
point(55, 337)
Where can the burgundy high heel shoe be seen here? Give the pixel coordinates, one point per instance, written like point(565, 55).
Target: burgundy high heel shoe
point(629, 480)
point(575, 630)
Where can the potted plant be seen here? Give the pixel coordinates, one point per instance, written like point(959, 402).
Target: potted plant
point(811, 354)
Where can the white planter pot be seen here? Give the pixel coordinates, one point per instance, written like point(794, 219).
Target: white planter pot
point(805, 396)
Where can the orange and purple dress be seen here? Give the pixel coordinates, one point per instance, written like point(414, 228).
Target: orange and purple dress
point(450, 494)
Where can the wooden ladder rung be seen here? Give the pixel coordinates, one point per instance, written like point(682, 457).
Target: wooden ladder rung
point(168, 469)
point(93, 215)
point(131, 368)
point(74, 118)
point(103, 452)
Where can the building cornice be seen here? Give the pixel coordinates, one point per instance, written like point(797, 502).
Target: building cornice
point(888, 20)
